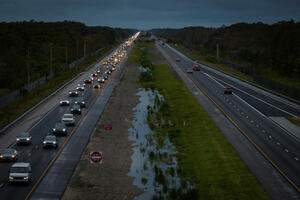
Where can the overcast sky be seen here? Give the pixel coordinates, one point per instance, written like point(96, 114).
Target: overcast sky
point(147, 14)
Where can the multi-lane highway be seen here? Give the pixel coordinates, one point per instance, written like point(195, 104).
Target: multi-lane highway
point(39, 158)
point(250, 109)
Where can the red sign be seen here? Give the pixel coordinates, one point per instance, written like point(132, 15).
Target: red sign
point(108, 127)
point(96, 157)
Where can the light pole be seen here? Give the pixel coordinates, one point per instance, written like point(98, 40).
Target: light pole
point(218, 39)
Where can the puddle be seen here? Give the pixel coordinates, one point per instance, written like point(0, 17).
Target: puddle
point(154, 164)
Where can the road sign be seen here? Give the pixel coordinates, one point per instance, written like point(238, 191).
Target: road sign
point(108, 127)
point(96, 157)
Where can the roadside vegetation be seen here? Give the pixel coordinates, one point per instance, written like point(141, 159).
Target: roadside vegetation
point(205, 158)
point(294, 120)
point(22, 104)
point(264, 51)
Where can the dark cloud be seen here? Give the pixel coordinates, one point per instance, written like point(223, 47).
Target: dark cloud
point(144, 14)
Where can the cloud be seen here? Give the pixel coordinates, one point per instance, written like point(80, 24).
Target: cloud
point(148, 14)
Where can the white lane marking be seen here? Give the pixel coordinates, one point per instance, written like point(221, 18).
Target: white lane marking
point(296, 158)
point(276, 98)
point(286, 150)
point(270, 136)
point(263, 131)
point(253, 96)
point(278, 143)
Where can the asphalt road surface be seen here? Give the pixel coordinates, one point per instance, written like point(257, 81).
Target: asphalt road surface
point(250, 109)
point(34, 153)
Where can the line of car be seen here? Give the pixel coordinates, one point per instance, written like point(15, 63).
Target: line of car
point(21, 171)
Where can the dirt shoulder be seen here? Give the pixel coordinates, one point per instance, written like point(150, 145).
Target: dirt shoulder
point(109, 180)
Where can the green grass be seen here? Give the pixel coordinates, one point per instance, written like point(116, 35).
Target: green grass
point(289, 81)
point(294, 120)
point(22, 104)
point(204, 155)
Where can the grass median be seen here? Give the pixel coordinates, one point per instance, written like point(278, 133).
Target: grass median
point(22, 104)
point(204, 155)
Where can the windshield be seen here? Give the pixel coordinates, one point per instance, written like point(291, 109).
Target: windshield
point(7, 151)
point(19, 170)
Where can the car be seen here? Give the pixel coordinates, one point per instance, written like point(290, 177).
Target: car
point(91, 77)
point(20, 172)
point(96, 86)
point(105, 62)
point(177, 59)
point(75, 109)
point(59, 128)
point(196, 68)
point(80, 87)
point(68, 119)
point(98, 71)
point(87, 80)
point(94, 74)
point(64, 102)
point(50, 141)
point(105, 76)
point(24, 138)
point(108, 72)
point(80, 101)
point(8, 154)
point(228, 90)
point(101, 79)
point(73, 93)
point(162, 43)
point(190, 71)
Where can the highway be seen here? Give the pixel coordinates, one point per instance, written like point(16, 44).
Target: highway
point(250, 109)
point(34, 153)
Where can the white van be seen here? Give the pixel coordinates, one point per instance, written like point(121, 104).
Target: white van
point(20, 172)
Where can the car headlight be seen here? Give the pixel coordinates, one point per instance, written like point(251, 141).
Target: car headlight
point(10, 177)
point(44, 142)
point(54, 129)
point(68, 101)
point(54, 142)
point(76, 102)
point(60, 102)
point(70, 92)
point(83, 102)
point(63, 129)
point(78, 109)
point(26, 177)
point(27, 139)
point(72, 109)
point(1, 156)
point(13, 156)
point(18, 139)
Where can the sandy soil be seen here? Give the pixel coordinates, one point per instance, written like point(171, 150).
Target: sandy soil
point(109, 180)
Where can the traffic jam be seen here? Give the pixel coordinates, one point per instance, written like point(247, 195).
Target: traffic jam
point(72, 107)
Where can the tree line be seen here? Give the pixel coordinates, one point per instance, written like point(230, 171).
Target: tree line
point(259, 46)
point(30, 49)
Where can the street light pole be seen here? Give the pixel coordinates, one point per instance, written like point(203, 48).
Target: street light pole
point(218, 39)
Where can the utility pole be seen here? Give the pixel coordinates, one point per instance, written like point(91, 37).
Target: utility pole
point(67, 53)
point(51, 58)
point(84, 48)
point(218, 39)
point(28, 68)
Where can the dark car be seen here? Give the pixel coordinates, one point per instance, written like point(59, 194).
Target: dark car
point(73, 93)
point(94, 74)
point(64, 102)
point(96, 86)
point(228, 90)
point(24, 138)
point(80, 101)
point(59, 128)
point(75, 109)
point(50, 141)
point(177, 59)
point(87, 80)
point(80, 87)
point(101, 79)
point(8, 155)
point(196, 68)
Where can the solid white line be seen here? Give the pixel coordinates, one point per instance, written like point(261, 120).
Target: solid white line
point(257, 98)
point(276, 98)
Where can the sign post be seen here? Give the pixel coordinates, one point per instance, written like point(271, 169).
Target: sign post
point(96, 157)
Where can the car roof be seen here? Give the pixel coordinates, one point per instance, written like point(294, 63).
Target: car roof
point(68, 114)
point(24, 134)
point(21, 164)
point(50, 137)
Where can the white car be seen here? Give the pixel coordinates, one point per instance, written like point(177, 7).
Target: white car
point(64, 102)
point(20, 172)
point(68, 119)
